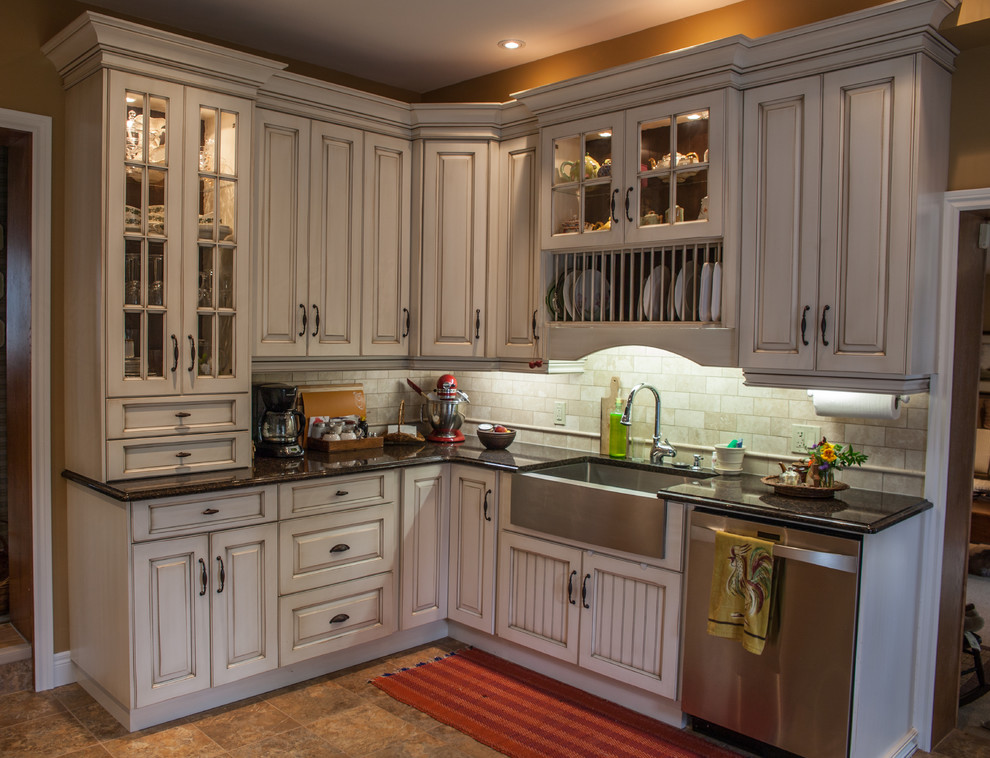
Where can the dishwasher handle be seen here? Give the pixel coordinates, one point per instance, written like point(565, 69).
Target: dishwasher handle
point(835, 561)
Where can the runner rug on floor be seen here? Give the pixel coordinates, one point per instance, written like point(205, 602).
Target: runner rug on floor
point(527, 715)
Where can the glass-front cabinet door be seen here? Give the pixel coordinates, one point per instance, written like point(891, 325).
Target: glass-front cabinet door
point(144, 214)
point(216, 266)
point(585, 203)
point(674, 169)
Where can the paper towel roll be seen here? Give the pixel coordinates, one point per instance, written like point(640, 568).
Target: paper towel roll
point(855, 404)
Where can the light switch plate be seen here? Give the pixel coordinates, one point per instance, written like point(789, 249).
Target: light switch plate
point(804, 436)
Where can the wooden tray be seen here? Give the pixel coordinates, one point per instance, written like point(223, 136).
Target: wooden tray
point(798, 490)
point(340, 446)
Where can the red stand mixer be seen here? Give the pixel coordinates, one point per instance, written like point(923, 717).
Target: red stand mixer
point(441, 410)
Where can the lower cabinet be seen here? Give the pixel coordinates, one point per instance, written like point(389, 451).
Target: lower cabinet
point(424, 545)
point(204, 611)
point(608, 615)
point(473, 526)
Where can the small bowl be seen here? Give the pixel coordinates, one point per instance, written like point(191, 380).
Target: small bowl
point(496, 440)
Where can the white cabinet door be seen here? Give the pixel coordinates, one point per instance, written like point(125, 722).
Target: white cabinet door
point(334, 271)
point(385, 306)
point(630, 621)
point(867, 217)
point(425, 524)
point(216, 278)
point(539, 587)
point(455, 248)
point(281, 249)
point(144, 218)
point(473, 525)
point(779, 272)
point(516, 292)
point(245, 602)
point(171, 619)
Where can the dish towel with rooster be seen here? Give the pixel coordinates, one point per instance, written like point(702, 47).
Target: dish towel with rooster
point(739, 607)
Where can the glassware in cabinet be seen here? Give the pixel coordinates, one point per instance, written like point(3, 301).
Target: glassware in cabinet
point(582, 195)
point(674, 152)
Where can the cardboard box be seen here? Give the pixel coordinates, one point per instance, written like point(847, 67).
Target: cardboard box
point(333, 400)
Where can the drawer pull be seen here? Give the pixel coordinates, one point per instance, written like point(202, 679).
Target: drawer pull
point(341, 548)
point(211, 511)
point(203, 579)
point(339, 618)
point(342, 493)
point(183, 414)
point(487, 517)
point(182, 455)
point(570, 588)
point(584, 591)
point(223, 575)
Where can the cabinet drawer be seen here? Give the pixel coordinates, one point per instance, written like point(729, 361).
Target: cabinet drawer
point(333, 618)
point(326, 495)
point(172, 516)
point(159, 417)
point(333, 547)
point(159, 456)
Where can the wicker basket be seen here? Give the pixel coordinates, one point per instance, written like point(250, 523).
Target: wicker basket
point(800, 490)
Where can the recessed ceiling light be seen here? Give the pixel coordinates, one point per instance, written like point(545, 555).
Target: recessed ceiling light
point(511, 44)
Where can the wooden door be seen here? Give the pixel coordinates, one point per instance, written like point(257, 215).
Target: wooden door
point(455, 249)
point(425, 524)
point(334, 276)
point(629, 622)
point(516, 293)
point(866, 230)
point(386, 310)
point(171, 619)
point(473, 525)
point(244, 595)
point(280, 259)
point(779, 272)
point(539, 591)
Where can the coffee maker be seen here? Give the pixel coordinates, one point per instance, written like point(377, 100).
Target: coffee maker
point(277, 423)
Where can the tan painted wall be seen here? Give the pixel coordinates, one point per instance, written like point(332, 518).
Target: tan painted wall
point(28, 82)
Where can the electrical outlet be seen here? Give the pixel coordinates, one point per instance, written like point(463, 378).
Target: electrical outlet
point(804, 436)
point(560, 413)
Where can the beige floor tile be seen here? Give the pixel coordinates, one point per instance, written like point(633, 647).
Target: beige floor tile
point(363, 730)
point(182, 741)
point(423, 746)
point(73, 696)
point(96, 751)
point(27, 706)
point(375, 696)
point(54, 735)
point(961, 744)
point(243, 723)
point(298, 743)
point(99, 722)
point(16, 676)
point(309, 702)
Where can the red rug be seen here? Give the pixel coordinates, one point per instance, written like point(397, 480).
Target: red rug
point(527, 715)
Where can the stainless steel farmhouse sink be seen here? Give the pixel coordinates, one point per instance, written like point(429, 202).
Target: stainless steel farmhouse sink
point(599, 503)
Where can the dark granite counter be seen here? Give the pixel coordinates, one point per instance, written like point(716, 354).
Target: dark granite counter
point(851, 511)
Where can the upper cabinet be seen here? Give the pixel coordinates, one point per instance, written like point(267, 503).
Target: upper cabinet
point(331, 265)
point(839, 246)
point(648, 174)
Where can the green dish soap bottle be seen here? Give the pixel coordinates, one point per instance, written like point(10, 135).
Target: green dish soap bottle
point(617, 432)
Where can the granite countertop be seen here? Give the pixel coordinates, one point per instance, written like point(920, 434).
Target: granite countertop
point(851, 511)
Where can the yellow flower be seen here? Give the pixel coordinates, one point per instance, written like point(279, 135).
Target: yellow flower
point(828, 453)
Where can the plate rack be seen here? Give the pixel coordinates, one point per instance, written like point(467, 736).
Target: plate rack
point(672, 283)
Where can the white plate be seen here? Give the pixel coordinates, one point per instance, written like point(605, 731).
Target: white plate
point(684, 294)
point(717, 292)
point(655, 293)
point(705, 301)
point(567, 292)
point(591, 296)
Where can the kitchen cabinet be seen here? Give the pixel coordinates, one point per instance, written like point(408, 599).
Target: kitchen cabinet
point(517, 292)
point(474, 498)
point(425, 529)
point(455, 247)
point(608, 615)
point(331, 266)
point(835, 236)
point(646, 174)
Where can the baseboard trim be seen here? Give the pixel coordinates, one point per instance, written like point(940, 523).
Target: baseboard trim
point(62, 669)
point(13, 653)
point(907, 746)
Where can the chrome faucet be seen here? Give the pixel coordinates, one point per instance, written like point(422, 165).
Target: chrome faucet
point(660, 450)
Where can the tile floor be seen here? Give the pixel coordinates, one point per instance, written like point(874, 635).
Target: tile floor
point(339, 715)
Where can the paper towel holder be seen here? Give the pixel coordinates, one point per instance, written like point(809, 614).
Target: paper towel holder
point(898, 400)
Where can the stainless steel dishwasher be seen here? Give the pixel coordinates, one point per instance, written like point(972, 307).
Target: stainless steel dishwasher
point(796, 695)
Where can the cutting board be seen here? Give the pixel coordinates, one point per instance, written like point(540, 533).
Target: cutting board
point(608, 405)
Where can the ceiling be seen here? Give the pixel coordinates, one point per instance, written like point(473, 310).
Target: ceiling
point(416, 46)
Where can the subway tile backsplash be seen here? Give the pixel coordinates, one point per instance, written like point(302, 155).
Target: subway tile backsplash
point(701, 406)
